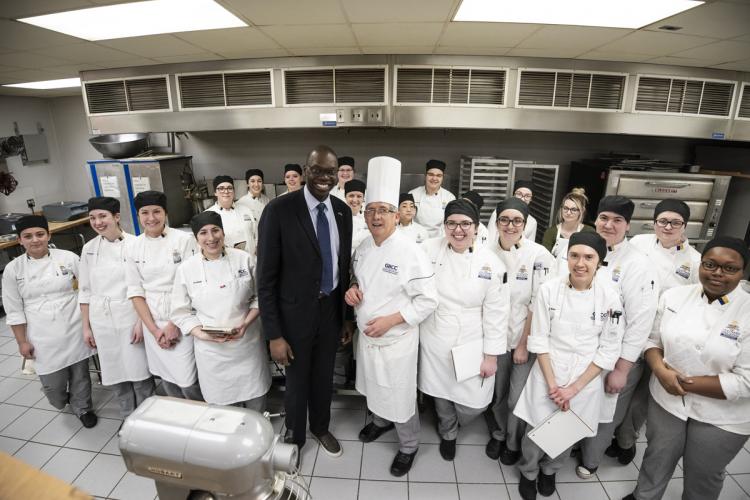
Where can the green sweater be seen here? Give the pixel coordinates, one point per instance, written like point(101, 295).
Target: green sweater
point(551, 233)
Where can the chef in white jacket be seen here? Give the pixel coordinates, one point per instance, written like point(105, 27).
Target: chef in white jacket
point(473, 314)
point(215, 289)
point(478, 201)
point(677, 263)
point(407, 211)
point(576, 334)
point(699, 352)
point(110, 323)
point(355, 196)
point(344, 174)
point(393, 291)
point(40, 297)
point(152, 261)
point(292, 178)
point(241, 226)
point(528, 266)
point(524, 191)
point(634, 277)
point(256, 198)
point(431, 198)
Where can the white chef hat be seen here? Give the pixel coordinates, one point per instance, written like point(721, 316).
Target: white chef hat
point(383, 180)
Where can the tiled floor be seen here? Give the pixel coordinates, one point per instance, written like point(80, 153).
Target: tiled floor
point(54, 441)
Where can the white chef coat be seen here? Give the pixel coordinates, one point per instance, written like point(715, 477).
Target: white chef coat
point(474, 304)
point(698, 339)
point(483, 235)
point(393, 277)
point(151, 266)
point(219, 293)
point(560, 250)
point(528, 265)
point(256, 205)
point(415, 231)
point(576, 328)
point(43, 295)
point(240, 225)
point(529, 232)
point(338, 192)
point(111, 314)
point(360, 231)
point(676, 266)
point(431, 208)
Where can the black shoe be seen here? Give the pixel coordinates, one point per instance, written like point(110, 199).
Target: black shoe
point(545, 484)
point(629, 497)
point(371, 432)
point(329, 444)
point(448, 449)
point(88, 419)
point(527, 488)
point(494, 447)
point(626, 455)
point(613, 450)
point(402, 463)
point(508, 456)
point(289, 436)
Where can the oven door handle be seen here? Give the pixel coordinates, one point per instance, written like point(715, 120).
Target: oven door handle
point(673, 184)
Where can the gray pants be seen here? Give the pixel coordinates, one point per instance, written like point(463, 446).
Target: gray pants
point(71, 384)
point(705, 450)
point(510, 380)
point(534, 459)
point(256, 404)
point(592, 449)
point(130, 395)
point(450, 415)
point(408, 432)
point(629, 430)
point(193, 392)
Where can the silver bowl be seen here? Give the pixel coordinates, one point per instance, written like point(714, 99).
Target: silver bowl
point(120, 145)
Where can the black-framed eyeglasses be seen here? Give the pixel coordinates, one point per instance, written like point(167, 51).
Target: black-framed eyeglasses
point(517, 222)
point(319, 172)
point(225, 189)
point(380, 211)
point(710, 265)
point(451, 225)
point(522, 196)
point(674, 223)
point(572, 210)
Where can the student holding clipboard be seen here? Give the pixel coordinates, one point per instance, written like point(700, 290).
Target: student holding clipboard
point(576, 333)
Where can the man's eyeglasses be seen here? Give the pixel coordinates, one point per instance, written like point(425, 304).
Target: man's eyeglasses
point(225, 189)
point(517, 222)
point(319, 172)
point(675, 223)
point(380, 211)
point(710, 265)
point(521, 196)
point(451, 225)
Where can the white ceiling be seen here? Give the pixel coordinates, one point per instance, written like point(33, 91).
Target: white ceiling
point(715, 35)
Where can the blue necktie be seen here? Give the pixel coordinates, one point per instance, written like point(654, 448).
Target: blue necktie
point(324, 240)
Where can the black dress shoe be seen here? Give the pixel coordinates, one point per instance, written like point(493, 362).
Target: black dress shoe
point(402, 463)
point(289, 436)
point(448, 449)
point(494, 447)
point(329, 444)
point(88, 419)
point(629, 497)
point(545, 484)
point(527, 488)
point(371, 432)
point(613, 450)
point(508, 456)
point(626, 455)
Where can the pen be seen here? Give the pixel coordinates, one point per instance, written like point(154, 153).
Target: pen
point(482, 383)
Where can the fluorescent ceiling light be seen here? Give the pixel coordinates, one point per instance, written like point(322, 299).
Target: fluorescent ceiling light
point(139, 19)
point(48, 84)
point(631, 14)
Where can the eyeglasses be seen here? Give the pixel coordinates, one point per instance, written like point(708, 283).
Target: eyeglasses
point(523, 196)
point(517, 222)
point(451, 225)
point(319, 172)
point(675, 223)
point(710, 265)
point(380, 211)
point(346, 169)
point(572, 210)
point(225, 189)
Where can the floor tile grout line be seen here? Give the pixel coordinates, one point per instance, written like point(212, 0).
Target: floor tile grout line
point(85, 467)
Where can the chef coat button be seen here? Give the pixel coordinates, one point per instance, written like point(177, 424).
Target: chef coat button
point(698, 347)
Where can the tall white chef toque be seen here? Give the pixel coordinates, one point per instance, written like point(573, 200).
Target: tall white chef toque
point(383, 180)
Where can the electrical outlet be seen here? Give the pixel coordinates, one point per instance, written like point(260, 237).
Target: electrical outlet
point(358, 115)
point(375, 115)
point(340, 116)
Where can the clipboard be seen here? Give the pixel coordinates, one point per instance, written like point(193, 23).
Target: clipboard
point(467, 359)
point(559, 431)
point(217, 331)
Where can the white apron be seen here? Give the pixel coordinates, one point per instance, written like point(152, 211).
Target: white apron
point(112, 315)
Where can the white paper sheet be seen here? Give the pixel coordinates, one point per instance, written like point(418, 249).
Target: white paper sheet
point(467, 359)
point(559, 431)
point(110, 186)
point(687, 361)
point(140, 184)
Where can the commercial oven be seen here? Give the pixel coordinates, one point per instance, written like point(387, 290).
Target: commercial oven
point(704, 194)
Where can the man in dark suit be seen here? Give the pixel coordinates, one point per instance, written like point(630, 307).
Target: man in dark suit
point(304, 250)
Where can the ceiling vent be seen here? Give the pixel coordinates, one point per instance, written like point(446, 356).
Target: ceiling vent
point(231, 89)
point(451, 86)
point(684, 96)
point(572, 90)
point(133, 95)
point(743, 110)
point(335, 85)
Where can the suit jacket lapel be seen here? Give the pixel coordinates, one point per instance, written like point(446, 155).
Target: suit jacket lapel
point(303, 214)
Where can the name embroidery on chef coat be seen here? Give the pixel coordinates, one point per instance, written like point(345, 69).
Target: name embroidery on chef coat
point(731, 331)
point(602, 316)
point(390, 268)
point(523, 273)
point(242, 273)
point(683, 271)
point(616, 274)
point(176, 257)
point(485, 273)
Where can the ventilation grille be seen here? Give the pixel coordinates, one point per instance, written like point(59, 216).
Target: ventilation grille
point(744, 109)
point(128, 96)
point(571, 90)
point(683, 96)
point(456, 86)
point(225, 90)
point(344, 85)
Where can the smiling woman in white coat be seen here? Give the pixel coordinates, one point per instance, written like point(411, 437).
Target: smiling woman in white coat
point(699, 353)
point(472, 314)
point(240, 225)
point(110, 323)
point(40, 296)
point(576, 333)
point(214, 299)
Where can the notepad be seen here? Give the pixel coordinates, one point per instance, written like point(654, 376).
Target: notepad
point(559, 431)
point(467, 359)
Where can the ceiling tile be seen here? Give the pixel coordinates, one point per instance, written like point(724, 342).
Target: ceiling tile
point(6, 69)
point(657, 44)
point(472, 51)
point(265, 13)
point(203, 56)
point(745, 38)
point(87, 52)
point(395, 49)
point(29, 75)
point(486, 34)
point(127, 63)
point(743, 65)
point(320, 35)
point(254, 54)
point(152, 46)
point(397, 34)
point(28, 8)
point(227, 40)
point(574, 38)
point(680, 61)
point(328, 51)
point(552, 52)
point(30, 60)
point(724, 51)
point(74, 69)
point(20, 36)
point(596, 55)
point(715, 20)
point(393, 11)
